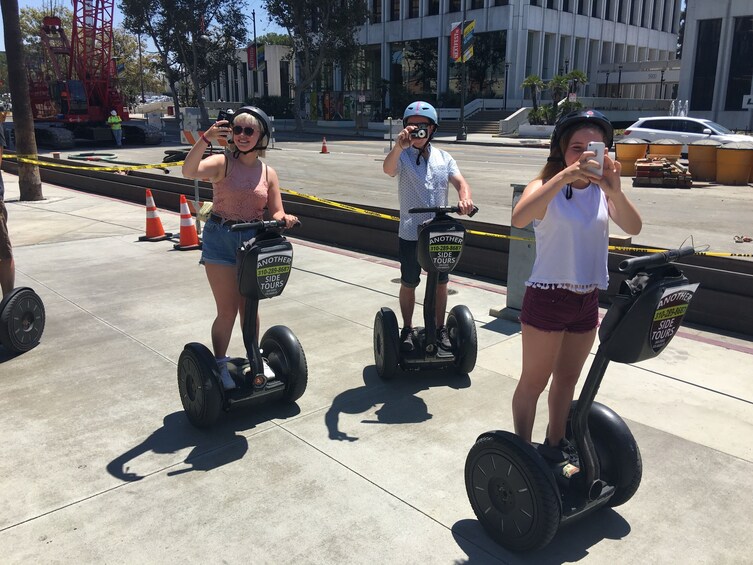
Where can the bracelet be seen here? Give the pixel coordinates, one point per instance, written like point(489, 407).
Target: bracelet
point(205, 140)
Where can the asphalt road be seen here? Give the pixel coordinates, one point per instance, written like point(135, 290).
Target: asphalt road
point(707, 214)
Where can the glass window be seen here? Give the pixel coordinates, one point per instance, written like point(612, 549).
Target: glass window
point(477, 4)
point(394, 10)
point(433, 7)
point(689, 126)
point(595, 8)
point(550, 4)
point(608, 9)
point(456, 5)
point(565, 5)
point(740, 68)
point(376, 12)
point(413, 8)
point(501, 2)
point(704, 70)
point(581, 7)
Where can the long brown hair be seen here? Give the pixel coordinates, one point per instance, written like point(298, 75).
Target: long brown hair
point(556, 160)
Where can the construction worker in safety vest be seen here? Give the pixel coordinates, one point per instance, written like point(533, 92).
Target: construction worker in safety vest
point(114, 122)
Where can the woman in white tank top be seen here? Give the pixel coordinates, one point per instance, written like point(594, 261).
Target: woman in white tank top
point(570, 205)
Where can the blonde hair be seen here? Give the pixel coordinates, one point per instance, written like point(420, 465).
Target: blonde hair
point(246, 119)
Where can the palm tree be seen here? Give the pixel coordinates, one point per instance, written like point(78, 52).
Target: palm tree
point(536, 85)
point(576, 78)
point(29, 183)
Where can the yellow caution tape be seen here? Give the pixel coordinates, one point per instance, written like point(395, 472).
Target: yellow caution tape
point(33, 159)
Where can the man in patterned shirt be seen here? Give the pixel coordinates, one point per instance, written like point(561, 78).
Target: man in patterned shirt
point(424, 174)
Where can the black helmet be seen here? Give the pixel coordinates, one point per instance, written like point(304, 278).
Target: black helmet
point(263, 119)
point(578, 117)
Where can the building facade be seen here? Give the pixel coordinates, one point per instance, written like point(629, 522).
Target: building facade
point(621, 45)
point(717, 61)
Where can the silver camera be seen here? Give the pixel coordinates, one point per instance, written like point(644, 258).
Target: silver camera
point(421, 132)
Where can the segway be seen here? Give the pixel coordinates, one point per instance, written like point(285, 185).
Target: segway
point(440, 245)
point(263, 269)
point(520, 498)
point(21, 320)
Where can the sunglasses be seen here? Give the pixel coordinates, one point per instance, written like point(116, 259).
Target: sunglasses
point(237, 130)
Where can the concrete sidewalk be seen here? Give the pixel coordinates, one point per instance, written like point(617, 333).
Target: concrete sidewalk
point(101, 464)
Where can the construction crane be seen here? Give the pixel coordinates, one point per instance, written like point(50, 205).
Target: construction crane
point(73, 95)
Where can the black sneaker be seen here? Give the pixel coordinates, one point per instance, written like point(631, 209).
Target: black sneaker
point(406, 340)
point(571, 452)
point(443, 339)
point(554, 454)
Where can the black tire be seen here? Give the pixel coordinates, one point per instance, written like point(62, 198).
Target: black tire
point(286, 358)
point(386, 342)
point(618, 453)
point(22, 320)
point(462, 331)
point(199, 385)
point(512, 492)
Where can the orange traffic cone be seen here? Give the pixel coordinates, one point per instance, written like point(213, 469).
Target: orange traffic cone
point(324, 146)
point(154, 229)
point(189, 239)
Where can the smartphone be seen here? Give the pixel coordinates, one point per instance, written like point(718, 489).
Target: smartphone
point(598, 148)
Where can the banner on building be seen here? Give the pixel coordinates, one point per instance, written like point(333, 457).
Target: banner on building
point(461, 41)
point(251, 57)
point(260, 60)
point(456, 42)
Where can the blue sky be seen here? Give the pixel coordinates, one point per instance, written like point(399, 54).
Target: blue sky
point(262, 25)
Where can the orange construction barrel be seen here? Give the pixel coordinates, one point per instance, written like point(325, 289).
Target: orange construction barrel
point(627, 152)
point(702, 159)
point(667, 148)
point(733, 163)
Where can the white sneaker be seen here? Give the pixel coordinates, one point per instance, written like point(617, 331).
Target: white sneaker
point(268, 372)
point(227, 381)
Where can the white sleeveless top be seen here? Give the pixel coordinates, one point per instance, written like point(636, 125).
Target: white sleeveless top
point(572, 242)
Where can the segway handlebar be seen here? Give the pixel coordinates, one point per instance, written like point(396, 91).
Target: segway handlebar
point(655, 259)
point(442, 210)
point(260, 224)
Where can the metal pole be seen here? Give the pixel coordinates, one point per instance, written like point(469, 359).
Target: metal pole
point(661, 85)
point(256, 54)
point(507, 68)
point(141, 71)
point(619, 82)
point(462, 134)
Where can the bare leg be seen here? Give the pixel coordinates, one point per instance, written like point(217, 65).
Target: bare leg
point(567, 368)
point(540, 350)
point(407, 303)
point(7, 275)
point(224, 285)
point(441, 304)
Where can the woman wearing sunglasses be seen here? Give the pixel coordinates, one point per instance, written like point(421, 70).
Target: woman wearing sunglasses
point(243, 186)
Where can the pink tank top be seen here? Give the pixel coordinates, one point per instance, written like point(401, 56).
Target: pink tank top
point(242, 194)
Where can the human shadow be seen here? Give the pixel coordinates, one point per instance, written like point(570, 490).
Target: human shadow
point(399, 403)
point(211, 448)
point(571, 543)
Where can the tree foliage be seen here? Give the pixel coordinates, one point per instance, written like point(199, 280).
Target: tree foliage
point(196, 40)
point(321, 33)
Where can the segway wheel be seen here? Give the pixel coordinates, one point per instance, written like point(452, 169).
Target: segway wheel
point(462, 331)
point(512, 492)
point(21, 320)
point(618, 453)
point(199, 385)
point(386, 339)
point(286, 358)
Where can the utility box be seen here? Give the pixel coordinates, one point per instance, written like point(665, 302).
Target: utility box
point(519, 264)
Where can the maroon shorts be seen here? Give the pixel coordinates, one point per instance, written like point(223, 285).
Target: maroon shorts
point(5, 249)
point(558, 309)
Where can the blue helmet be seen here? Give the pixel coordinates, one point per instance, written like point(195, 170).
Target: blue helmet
point(420, 108)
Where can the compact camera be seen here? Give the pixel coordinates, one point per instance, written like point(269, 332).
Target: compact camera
point(223, 115)
point(421, 132)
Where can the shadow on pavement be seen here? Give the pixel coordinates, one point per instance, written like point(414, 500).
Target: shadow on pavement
point(400, 405)
point(211, 448)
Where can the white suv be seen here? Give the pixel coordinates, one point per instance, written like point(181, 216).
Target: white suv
point(683, 129)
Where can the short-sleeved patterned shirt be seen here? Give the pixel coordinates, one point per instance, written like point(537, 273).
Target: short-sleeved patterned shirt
point(422, 185)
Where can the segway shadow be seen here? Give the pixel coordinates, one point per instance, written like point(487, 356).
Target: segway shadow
point(22, 320)
point(440, 245)
point(520, 498)
point(264, 263)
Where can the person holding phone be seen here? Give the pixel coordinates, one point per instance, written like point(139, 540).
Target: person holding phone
point(570, 203)
point(424, 174)
point(242, 188)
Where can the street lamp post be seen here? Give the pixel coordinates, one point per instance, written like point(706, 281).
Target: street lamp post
point(256, 55)
point(606, 87)
point(619, 82)
point(141, 71)
point(462, 134)
point(567, 65)
point(507, 69)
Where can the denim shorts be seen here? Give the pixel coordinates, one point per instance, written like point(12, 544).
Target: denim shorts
point(219, 245)
point(559, 309)
point(410, 269)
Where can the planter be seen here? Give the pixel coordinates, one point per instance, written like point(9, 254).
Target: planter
point(733, 163)
point(628, 152)
point(702, 159)
point(527, 130)
point(666, 148)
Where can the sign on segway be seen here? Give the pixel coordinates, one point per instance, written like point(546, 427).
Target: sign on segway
point(273, 271)
point(669, 314)
point(445, 249)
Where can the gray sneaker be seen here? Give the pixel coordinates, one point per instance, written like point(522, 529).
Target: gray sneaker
point(406, 340)
point(443, 339)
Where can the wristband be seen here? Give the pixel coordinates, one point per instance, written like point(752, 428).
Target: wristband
point(205, 140)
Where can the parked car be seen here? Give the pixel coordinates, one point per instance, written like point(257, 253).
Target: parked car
point(683, 129)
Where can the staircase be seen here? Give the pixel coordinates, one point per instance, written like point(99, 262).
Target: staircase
point(486, 121)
